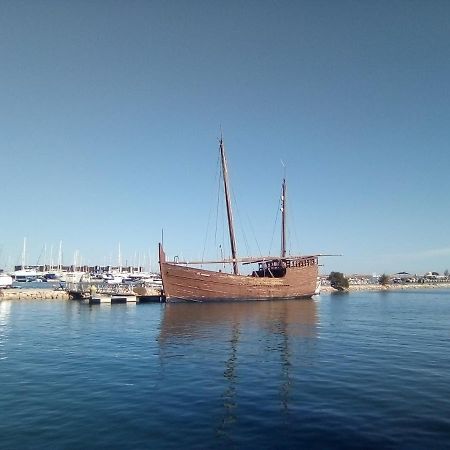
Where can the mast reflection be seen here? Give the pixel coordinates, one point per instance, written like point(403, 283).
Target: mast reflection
point(278, 333)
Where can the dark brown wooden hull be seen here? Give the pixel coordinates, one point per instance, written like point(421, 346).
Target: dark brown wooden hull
point(192, 284)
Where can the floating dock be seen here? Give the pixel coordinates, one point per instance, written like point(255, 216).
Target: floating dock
point(104, 293)
point(114, 299)
point(98, 299)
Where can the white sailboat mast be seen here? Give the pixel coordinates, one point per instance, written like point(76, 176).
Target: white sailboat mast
point(24, 251)
point(60, 257)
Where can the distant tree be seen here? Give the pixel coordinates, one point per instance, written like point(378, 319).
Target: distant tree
point(383, 280)
point(446, 272)
point(338, 281)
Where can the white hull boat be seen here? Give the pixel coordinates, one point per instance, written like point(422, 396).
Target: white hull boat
point(25, 275)
point(6, 280)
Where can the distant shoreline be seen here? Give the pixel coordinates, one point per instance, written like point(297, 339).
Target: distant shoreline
point(389, 287)
point(47, 294)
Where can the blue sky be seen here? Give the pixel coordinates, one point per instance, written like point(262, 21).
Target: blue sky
point(110, 113)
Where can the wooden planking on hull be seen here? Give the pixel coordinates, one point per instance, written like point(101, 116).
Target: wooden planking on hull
point(202, 285)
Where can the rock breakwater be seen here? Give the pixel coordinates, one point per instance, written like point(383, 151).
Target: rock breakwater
point(32, 294)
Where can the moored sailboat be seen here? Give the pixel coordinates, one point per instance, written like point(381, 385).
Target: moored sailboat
point(277, 277)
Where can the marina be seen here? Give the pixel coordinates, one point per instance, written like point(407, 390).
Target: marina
point(88, 292)
point(93, 299)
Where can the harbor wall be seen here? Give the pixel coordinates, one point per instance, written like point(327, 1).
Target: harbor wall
point(390, 287)
point(44, 294)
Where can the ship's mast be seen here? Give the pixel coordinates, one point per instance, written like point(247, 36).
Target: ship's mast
point(229, 209)
point(283, 219)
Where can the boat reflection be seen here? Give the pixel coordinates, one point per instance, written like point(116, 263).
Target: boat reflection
point(5, 311)
point(5, 315)
point(285, 333)
point(280, 334)
point(288, 317)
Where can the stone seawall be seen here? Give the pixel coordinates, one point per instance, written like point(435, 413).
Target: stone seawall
point(23, 294)
point(389, 287)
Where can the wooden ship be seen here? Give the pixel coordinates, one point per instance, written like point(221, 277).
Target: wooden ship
point(276, 277)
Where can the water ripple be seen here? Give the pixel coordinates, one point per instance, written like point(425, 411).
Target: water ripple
point(358, 371)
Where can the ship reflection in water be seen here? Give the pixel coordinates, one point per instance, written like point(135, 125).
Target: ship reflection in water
point(279, 336)
point(190, 320)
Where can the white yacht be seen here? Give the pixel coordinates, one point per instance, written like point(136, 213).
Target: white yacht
point(5, 280)
point(112, 278)
point(24, 275)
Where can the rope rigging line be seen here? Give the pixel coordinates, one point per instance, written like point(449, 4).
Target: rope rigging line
point(209, 216)
point(241, 228)
point(254, 234)
point(276, 222)
point(219, 211)
point(220, 221)
point(291, 223)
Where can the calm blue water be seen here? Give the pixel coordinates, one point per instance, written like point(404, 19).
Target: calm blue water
point(365, 370)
